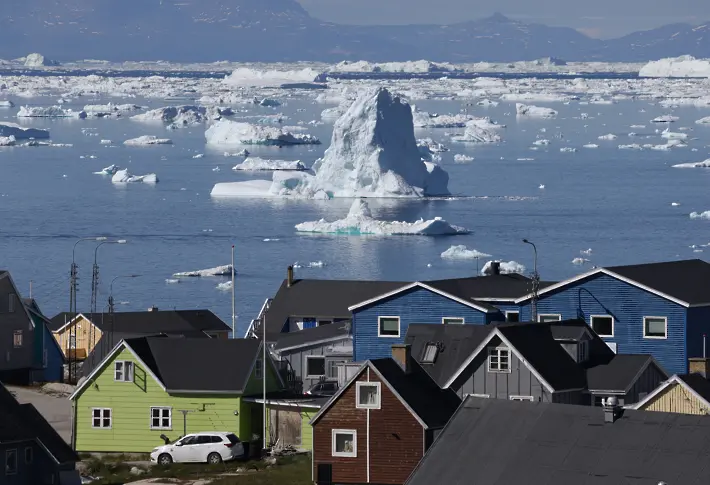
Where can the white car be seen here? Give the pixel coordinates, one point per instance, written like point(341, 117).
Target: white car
point(210, 447)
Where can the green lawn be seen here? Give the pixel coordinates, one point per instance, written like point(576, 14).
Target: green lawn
point(295, 470)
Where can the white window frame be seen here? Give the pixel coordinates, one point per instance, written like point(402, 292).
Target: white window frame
point(344, 454)
point(379, 326)
point(517, 312)
point(558, 315)
point(308, 375)
point(358, 386)
point(101, 418)
point(498, 350)
point(160, 419)
point(17, 342)
point(258, 369)
point(123, 370)
point(483, 396)
point(521, 398)
point(653, 337)
point(613, 324)
point(462, 320)
point(17, 461)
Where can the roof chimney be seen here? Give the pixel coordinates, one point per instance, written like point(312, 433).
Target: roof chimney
point(289, 276)
point(612, 410)
point(699, 365)
point(495, 267)
point(402, 354)
point(153, 309)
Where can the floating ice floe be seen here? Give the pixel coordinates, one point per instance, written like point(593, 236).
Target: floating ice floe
point(590, 145)
point(360, 221)
point(172, 281)
point(683, 66)
point(110, 108)
point(246, 77)
point(586, 251)
point(534, 111)
point(700, 215)
point(609, 136)
point(568, 149)
point(7, 141)
point(49, 112)
point(461, 158)
point(428, 145)
point(665, 119)
point(505, 267)
point(422, 119)
point(176, 116)
point(38, 60)
point(675, 204)
point(106, 142)
point(578, 261)
point(110, 170)
point(475, 133)
point(224, 286)
point(487, 102)
point(21, 132)
point(257, 164)
point(673, 135)
point(462, 252)
point(123, 177)
point(227, 132)
point(148, 140)
point(225, 270)
point(703, 164)
point(6, 104)
point(541, 142)
point(703, 121)
point(373, 153)
point(267, 102)
point(312, 264)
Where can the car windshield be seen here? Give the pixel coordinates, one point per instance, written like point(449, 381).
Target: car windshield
point(232, 438)
point(187, 440)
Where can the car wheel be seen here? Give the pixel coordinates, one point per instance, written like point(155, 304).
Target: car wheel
point(214, 458)
point(165, 459)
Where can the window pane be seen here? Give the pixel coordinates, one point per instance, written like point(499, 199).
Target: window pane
point(655, 327)
point(344, 443)
point(602, 325)
point(512, 317)
point(549, 318)
point(430, 353)
point(316, 366)
point(504, 356)
point(389, 326)
point(453, 321)
point(129, 371)
point(368, 395)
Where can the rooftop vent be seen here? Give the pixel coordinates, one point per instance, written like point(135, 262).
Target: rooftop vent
point(612, 410)
point(153, 309)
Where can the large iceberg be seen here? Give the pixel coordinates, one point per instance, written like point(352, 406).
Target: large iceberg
point(178, 116)
point(21, 132)
point(256, 163)
point(246, 77)
point(683, 66)
point(373, 153)
point(534, 111)
point(38, 60)
point(48, 112)
point(146, 140)
point(360, 221)
point(226, 132)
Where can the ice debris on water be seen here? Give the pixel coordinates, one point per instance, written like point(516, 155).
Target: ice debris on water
point(225, 270)
point(461, 158)
point(110, 170)
point(700, 215)
point(224, 286)
point(505, 267)
point(312, 264)
point(227, 132)
point(261, 164)
point(124, 177)
point(534, 111)
point(462, 252)
point(148, 140)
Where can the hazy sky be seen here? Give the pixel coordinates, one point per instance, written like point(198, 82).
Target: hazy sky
point(599, 18)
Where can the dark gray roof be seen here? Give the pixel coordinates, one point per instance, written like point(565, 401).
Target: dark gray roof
point(697, 383)
point(457, 344)
point(498, 287)
point(150, 322)
point(685, 280)
point(619, 374)
point(198, 365)
point(20, 422)
point(110, 339)
point(433, 405)
point(310, 336)
point(321, 298)
point(498, 442)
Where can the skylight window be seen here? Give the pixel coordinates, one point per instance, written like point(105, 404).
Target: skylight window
point(430, 353)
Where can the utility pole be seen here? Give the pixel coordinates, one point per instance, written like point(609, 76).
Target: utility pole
point(234, 318)
point(535, 283)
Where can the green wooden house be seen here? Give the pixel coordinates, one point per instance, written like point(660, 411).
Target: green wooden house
point(154, 388)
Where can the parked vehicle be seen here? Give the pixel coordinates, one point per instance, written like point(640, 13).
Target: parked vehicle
point(323, 388)
point(209, 447)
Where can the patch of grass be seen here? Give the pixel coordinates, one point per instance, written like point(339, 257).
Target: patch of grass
point(294, 470)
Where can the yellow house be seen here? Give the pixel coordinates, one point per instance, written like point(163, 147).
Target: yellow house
point(82, 332)
point(684, 394)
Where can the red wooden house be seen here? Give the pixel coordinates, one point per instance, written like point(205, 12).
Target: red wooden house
point(378, 426)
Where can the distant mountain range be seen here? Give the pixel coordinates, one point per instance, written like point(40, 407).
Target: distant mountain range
point(281, 30)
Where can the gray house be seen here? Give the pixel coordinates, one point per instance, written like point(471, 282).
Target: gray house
point(563, 362)
point(313, 356)
point(494, 442)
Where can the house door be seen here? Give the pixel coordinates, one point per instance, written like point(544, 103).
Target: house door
point(287, 425)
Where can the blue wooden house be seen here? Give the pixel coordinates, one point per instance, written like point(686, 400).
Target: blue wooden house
point(662, 309)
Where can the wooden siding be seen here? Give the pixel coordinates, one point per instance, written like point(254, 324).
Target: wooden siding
point(647, 382)
point(396, 439)
point(130, 403)
point(604, 295)
point(306, 414)
point(476, 379)
point(87, 336)
point(335, 351)
point(417, 305)
point(41, 470)
point(676, 399)
point(697, 325)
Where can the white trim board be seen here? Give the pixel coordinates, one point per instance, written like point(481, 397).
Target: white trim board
point(613, 275)
point(673, 380)
point(418, 284)
point(497, 333)
point(315, 342)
